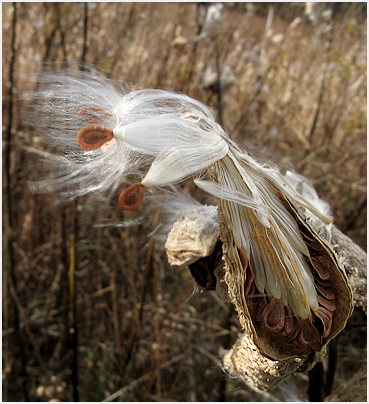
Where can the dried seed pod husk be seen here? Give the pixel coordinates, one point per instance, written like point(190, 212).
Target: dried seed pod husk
point(193, 236)
point(329, 266)
point(338, 278)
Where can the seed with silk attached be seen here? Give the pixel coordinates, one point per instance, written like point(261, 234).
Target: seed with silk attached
point(92, 137)
point(94, 115)
point(131, 198)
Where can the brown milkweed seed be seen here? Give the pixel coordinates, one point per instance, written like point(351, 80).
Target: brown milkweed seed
point(92, 137)
point(131, 198)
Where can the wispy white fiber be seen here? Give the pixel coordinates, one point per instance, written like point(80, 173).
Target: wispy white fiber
point(232, 195)
point(173, 203)
point(321, 216)
point(174, 134)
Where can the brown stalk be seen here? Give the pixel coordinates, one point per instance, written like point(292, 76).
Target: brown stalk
point(257, 89)
point(191, 65)
point(74, 257)
point(73, 298)
point(23, 318)
point(218, 87)
point(130, 271)
point(143, 378)
point(150, 262)
point(115, 312)
point(79, 301)
point(165, 58)
point(132, 264)
point(321, 93)
point(9, 212)
point(316, 383)
point(62, 35)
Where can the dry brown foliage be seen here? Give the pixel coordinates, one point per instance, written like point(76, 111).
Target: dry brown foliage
point(298, 98)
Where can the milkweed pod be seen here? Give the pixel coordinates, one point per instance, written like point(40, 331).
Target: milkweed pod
point(265, 323)
point(92, 137)
point(131, 198)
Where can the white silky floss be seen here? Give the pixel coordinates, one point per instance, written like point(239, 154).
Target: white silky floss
point(180, 147)
point(179, 138)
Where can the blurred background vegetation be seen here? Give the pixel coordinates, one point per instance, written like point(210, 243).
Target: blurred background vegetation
point(110, 319)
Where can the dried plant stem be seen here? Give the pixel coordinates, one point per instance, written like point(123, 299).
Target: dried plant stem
point(218, 88)
point(6, 365)
point(23, 318)
point(332, 364)
point(158, 360)
point(62, 36)
point(316, 383)
point(85, 26)
point(144, 377)
point(136, 328)
point(73, 299)
point(48, 43)
point(151, 263)
point(115, 313)
point(127, 351)
point(186, 86)
point(8, 152)
point(166, 53)
point(152, 271)
point(9, 211)
point(51, 296)
point(321, 93)
point(74, 258)
point(258, 87)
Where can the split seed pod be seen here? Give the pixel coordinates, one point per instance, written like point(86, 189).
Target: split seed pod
point(275, 338)
point(275, 343)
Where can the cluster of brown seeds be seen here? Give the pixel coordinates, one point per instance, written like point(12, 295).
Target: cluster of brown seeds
point(269, 315)
point(323, 285)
